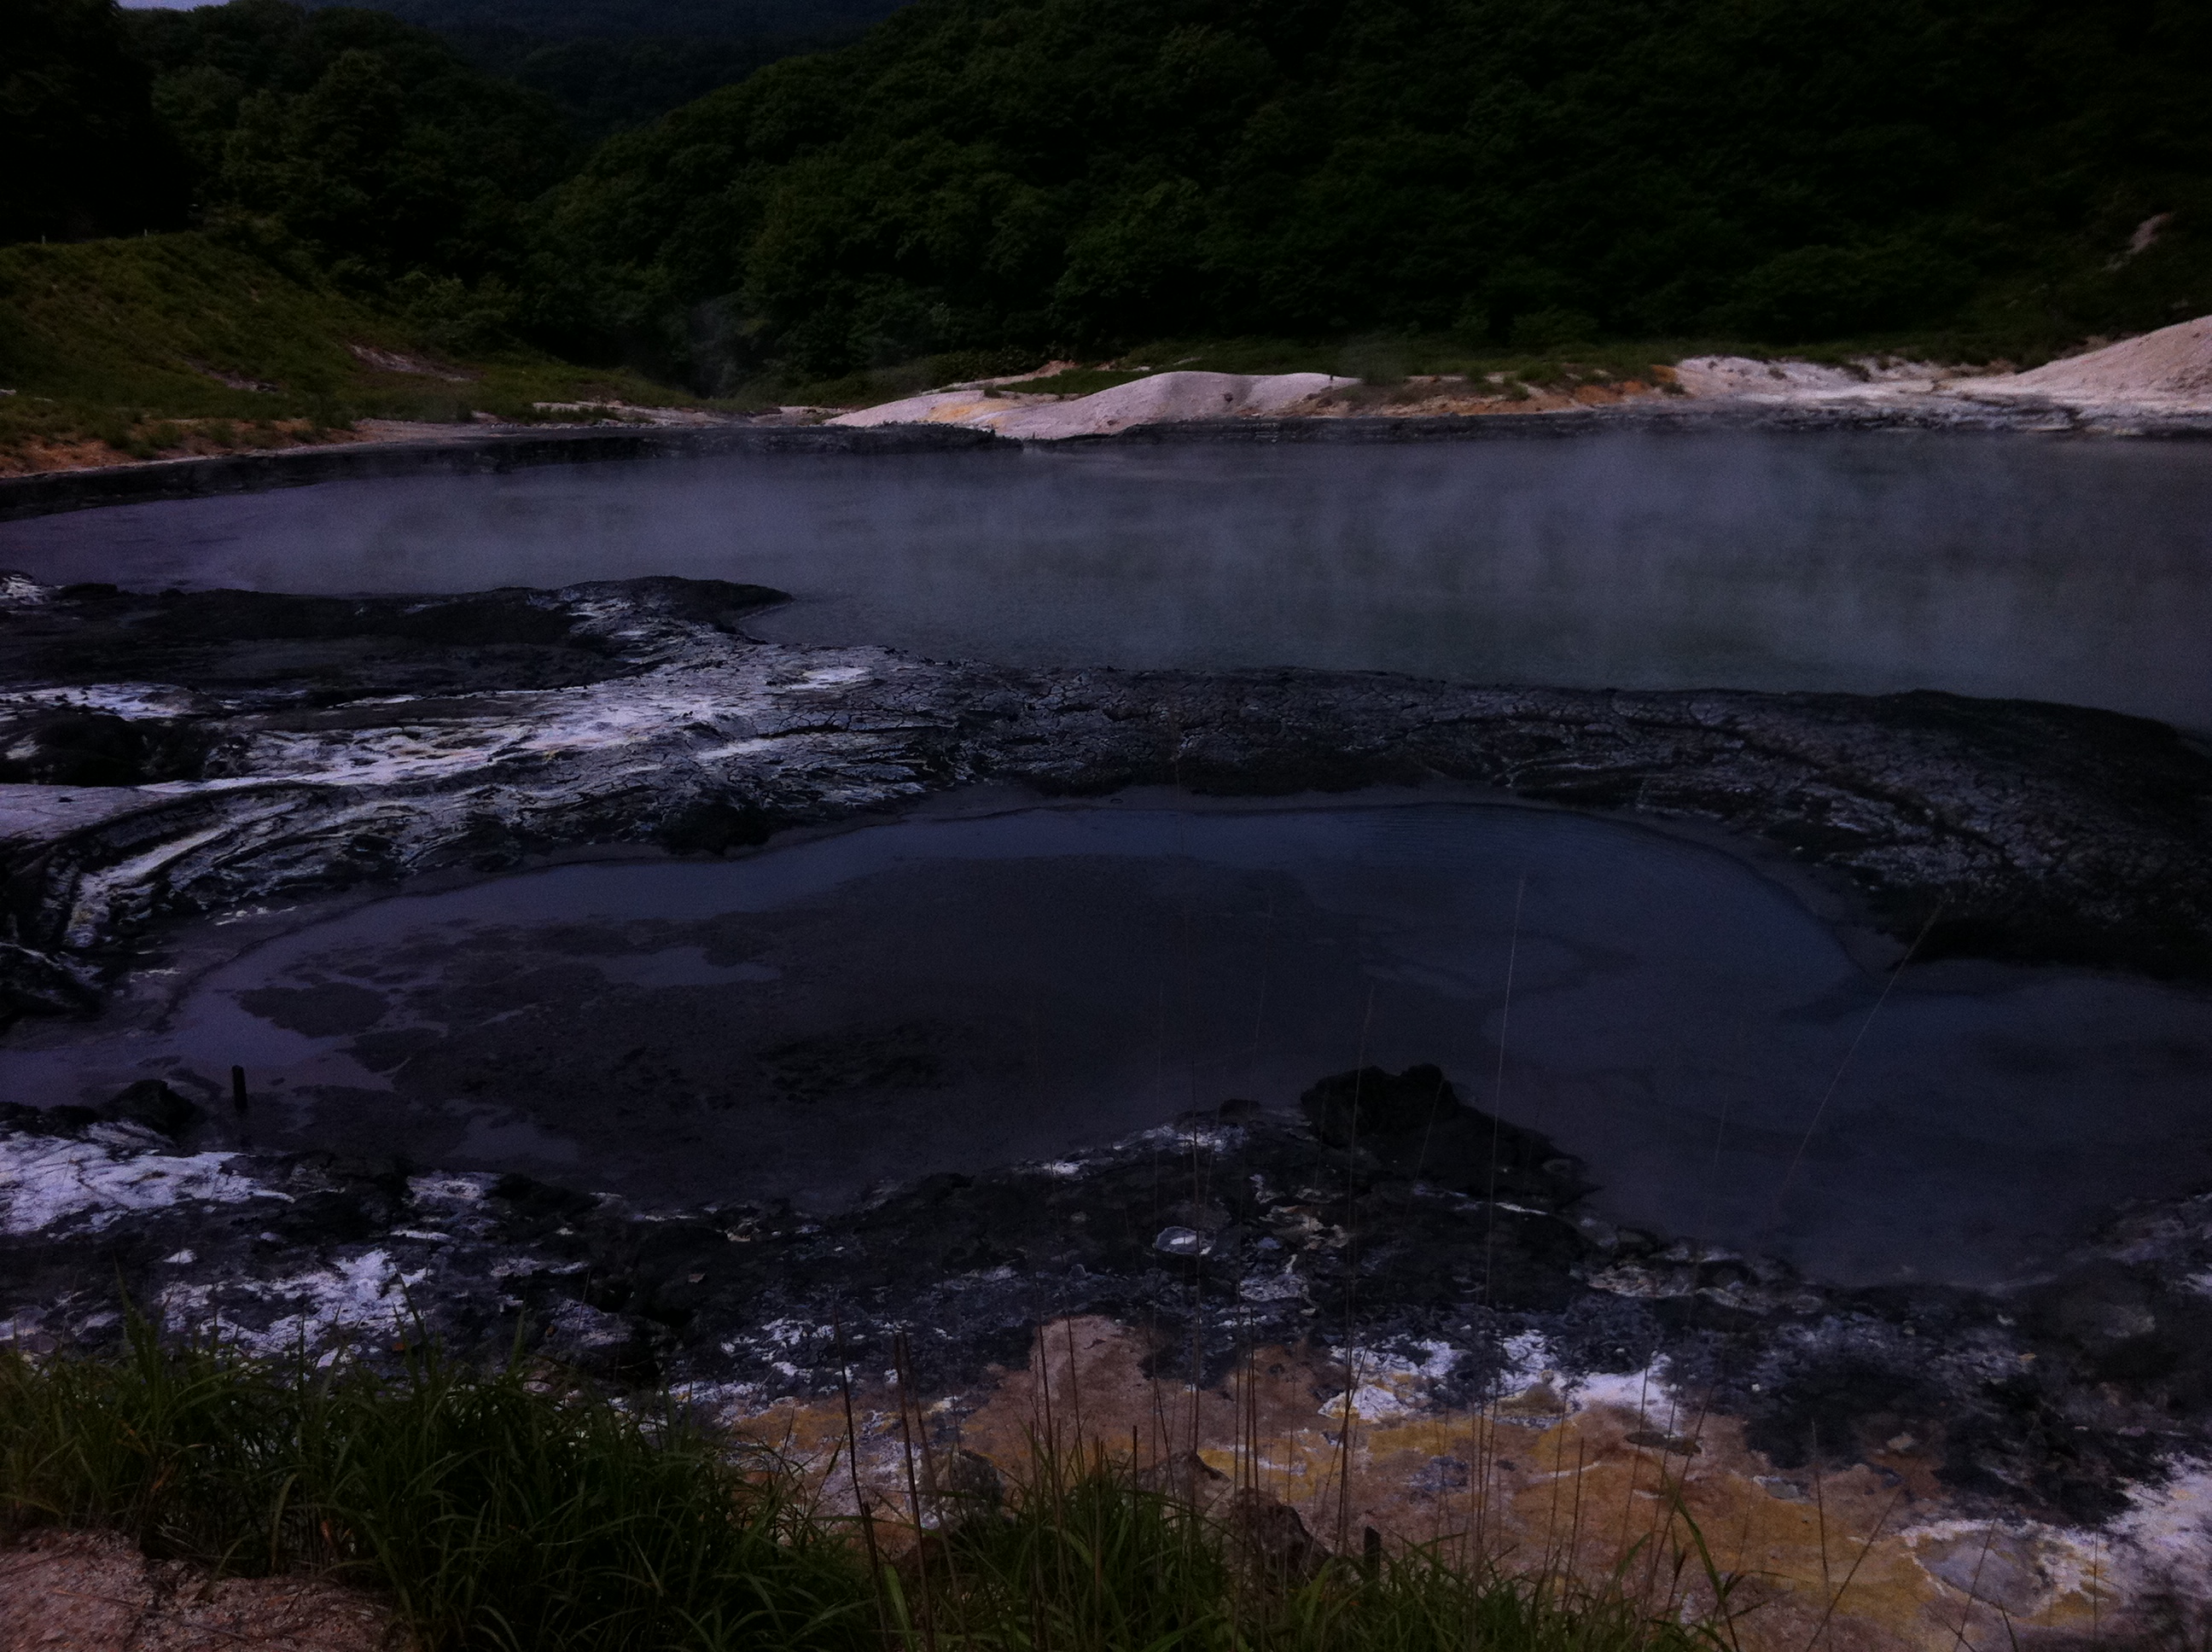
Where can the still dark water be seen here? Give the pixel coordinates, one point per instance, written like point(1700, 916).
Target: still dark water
point(2054, 568)
point(948, 993)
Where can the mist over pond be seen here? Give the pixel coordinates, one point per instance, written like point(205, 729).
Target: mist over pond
point(827, 1018)
point(2004, 565)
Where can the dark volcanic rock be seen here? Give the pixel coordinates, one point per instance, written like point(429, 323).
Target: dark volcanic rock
point(236, 651)
point(1224, 1232)
point(308, 744)
point(1414, 1125)
point(39, 983)
point(155, 1106)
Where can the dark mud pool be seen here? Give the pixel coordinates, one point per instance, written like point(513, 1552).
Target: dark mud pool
point(2078, 571)
point(954, 992)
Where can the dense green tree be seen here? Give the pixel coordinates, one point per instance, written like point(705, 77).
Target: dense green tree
point(397, 165)
point(613, 64)
point(637, 19)
point(978, 172)
point(981, 175)
point(84, 154)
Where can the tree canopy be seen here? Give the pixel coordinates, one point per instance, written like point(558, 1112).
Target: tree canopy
point(979, 175)
point(612, 64)
point(85, 154)
point(370, 141)
point(977, 172)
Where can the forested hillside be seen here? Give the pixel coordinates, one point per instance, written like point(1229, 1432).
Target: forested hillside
point(84, 153)
point(1999, 176)
point(371, 142)
point(1089, 171)
point(610, 64)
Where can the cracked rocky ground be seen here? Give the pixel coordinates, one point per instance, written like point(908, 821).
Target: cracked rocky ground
point(186, 756)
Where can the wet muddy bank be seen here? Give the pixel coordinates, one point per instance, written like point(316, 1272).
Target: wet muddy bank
point(1426, 1221)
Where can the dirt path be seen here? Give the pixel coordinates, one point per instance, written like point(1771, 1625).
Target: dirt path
point(95, 1592)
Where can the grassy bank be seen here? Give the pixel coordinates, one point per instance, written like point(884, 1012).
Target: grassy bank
point(165, 345)
point(495, 1513)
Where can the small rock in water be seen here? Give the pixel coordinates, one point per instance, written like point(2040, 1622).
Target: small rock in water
point(1652, 1439)
point(1183, 1241)
point(153, 1105)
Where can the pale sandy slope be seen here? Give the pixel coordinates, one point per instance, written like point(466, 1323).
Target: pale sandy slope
point(2167, 371)
point(1159, 398)
point(2173, 364)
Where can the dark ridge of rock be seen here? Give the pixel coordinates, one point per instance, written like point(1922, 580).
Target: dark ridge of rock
point(1414, 1124)
point(1370, 1103)
point(313, 744)
point(34, 983)
point(72, 748)
point(241, 651)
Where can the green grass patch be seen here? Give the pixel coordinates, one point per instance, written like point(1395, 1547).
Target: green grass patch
point(498, 1511)
point(1389, 360)
point(894, 383)
point(1075, 381)
point(185, 342)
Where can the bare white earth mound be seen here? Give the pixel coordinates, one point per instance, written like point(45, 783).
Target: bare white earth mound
point(2162, 372)
point(2169, 371)
point(2172, 362)
point(1742, 375)
point(1159, 398)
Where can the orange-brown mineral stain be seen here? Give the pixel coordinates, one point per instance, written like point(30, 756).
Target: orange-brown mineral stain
point(1596, 1481)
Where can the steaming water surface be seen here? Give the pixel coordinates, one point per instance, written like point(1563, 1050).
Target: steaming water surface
point(2053, 569)
point(949, 994)
point(944, 994)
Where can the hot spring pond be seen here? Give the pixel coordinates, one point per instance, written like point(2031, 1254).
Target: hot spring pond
point(1865, 561)
point(952, 992)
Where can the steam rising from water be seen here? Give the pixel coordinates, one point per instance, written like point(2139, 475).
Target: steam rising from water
point(2056, 569)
